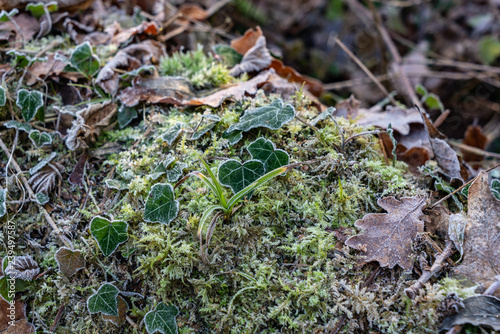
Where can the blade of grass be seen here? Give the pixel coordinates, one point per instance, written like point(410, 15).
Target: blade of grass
point(216, 183)
point(207, 214)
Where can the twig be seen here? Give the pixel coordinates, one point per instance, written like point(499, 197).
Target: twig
point(57, 318)
point(32, 195)
point(411, 292)
point(474, 150)
point(365, 69)
point(460, 188)
point(315, 129)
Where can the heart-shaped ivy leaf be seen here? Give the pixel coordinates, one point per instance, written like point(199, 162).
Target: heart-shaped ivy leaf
point(126, 115)
point(237, 176)
point(161, 206)
point(83, 60)
point(108, 234)
point(265, 151)
point(40, 138)
point(69, 261)
point(3, 198)
point(172, 133)
point(2, 96)
point(273, 116)
point(104, 300)
point(162, 319)
point(18, 125)
point(495, 189)
point(170, 168)
point(29, 102)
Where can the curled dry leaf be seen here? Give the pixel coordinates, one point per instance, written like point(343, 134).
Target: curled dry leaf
point(129, 58)
point(22, 267)
point(312, 85)
point(89, 123)
point(45, 180)
point(247, 41)
point(69, 261)
point(482, 239)
point(255, 59)
point(20, 327)
point(191, 12)
point(388, 237)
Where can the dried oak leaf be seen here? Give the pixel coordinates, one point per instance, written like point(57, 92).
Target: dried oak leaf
point(254, 60)
point(389, 236)
point(482, 238)
point(446, 158)
point(18, 312)
point(22, 267)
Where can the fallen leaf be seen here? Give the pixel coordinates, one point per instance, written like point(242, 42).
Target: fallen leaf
point(76, 176)
point(482, 238)
point(104, 300)
point(312, 85)
point(69, 261)
point(20, 327)
point(122, 313)
point(477, 311)
point(191, 12)
point(146, 28)
point(399, 118)
point(388, 237)
point(474, 137)
point(9, 312)
point(255, 59)
point(162, 319)
point(44, 180)
point(22, 267)
point(445, 156)
point(247, 41)
point(52, 68)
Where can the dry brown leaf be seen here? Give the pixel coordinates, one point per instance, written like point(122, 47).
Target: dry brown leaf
point(22, 267)
point(388, 237)
point(45, 180)
point(145, 28)
point(446, 158)
point(178, 91)
point(18, 312)
point(69, 261)
point(122, 313)
point(399, 118)
point(482, 239)
point(76, 176)
point(474, 137)
point(254, 60)
point(20, 327)
point(247, 41)
point(313, 85)
point(193, 12)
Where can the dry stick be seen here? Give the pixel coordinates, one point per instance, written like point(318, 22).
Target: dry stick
point(32, 195)
point(438, 249)
point(462, 187)
point(441, 118)
point(475, 150)
point(365, 69)
point(490, 291)
point(411, 292)
point(57, 318)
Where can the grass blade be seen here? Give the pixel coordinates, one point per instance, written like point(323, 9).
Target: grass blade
point(207, 214)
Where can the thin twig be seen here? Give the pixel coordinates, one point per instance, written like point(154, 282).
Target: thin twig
point(57, 318)
point(474, 150)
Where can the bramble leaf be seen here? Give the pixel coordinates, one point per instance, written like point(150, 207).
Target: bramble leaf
point(69, 261)
point(29, 102)
point(104, 300)
point(161, 206)
point(265, 151)
point(108, 234)
point(162, 319)
point(83, 60)
point(273, 116)
point(237, 176)
point(40, 138)
point(388, 236)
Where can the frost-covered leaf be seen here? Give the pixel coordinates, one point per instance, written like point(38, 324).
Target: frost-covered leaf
point(108, 234)
point(255, 59)
point(40, 138)
point(477, 311)
point(104, 300)
point(161, 206)
point(29, 102)
point(126, 115)
point(42, 198)
point(44, 162)
point(22, 267)
point(9, 313)
point(122, 313)
point(162, 167)
point(237, 176)
point(22, 60)
point(388, 236)
point(322, 116)
point(456, 230)
point(175, 172)
point(265, 151)
point(3, 199)
point(45, 180)
point(229, 55)
point(273, 116)
point(172, 133)
point(2, 96)
point(83, 60)
point(18, 125)
point(233, 137)
point(69, 261)
point(208, 123)
point(5, 16)
point(172, 169)
point(5, 289)
point(495, 189)
point(138, 71)
point(116, 184)
point(38, 9)
point(481, 259)
point(162, 319)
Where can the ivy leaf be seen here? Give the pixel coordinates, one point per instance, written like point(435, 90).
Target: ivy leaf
point(237, 176)
point(22, 60)
point(168, 167)
point(265, 151)
point(229, 55)
point(495, 189)
point(273, 116)
point(69, 261)
point(108, 234)
point(2, 96)
point(38, 9)
point(3, 198)
point(209, 123)
point(83, 60)
point(5, 288)
point(104, 301)
point(172, 133)
point(162, 319)
point(126, 115)
point(42, 198)
point(29, 102)
point(122, 313)
point(161, 206)
point(40, 138)
point(19, 126)
point(6, 16)
point(388, 236)
point(233, 137)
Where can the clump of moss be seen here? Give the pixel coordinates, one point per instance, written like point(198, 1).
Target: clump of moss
point(201, 69)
